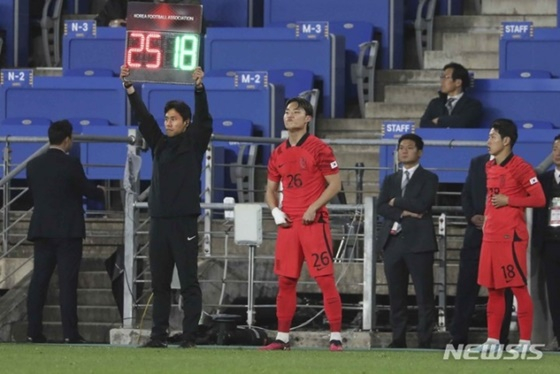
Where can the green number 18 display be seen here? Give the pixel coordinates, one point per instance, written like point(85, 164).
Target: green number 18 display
point(154, 50)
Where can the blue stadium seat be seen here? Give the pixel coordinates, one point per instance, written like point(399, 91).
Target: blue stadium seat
point(360, 58)
point(541, 52)
point(26, 121)
point(533, 125)
point(86, 72)
point(386, 15)
point(14, 19)
point(295, 81)
point(53, 97)
point(450, 7)
point(78, 122)
point(94, 155)
point(526, 74)
point(239, 175)
point(234, 48)
point(358, 36)
point(232, 13)
point(536, 99)
point(104, 51)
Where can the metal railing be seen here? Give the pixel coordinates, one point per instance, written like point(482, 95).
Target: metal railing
point(10, 171)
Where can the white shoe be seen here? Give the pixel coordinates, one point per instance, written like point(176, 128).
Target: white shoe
point(519, 348)
point(485, 348)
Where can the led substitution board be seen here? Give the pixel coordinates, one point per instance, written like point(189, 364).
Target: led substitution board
point(162, 41)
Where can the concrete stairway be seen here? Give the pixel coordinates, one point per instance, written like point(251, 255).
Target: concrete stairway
point(97, 311)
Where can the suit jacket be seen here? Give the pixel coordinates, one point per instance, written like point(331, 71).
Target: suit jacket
point(473, 200)
point(540, 215)
point(57, 182)
point(419, 196)
point(466, 113)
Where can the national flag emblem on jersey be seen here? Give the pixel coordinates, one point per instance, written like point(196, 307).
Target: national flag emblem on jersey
point(533, 180)
point(334, 165)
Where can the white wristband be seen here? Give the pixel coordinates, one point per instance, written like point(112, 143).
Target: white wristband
point(279, 216)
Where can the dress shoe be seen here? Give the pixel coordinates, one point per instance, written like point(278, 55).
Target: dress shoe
point(187, 344)
point(425, 345)
point(395, 344)
point(456, 343)
point(154, 343)
point(75, 340)
point(37, 339)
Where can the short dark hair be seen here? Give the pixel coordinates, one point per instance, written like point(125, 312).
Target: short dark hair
point(181, 107)
point(59, 131)
point(557, 137)
point(506, 128)
point(415, 138)
point(302, 103)
point(459, 72)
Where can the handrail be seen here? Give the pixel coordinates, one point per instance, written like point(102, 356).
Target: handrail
point(45, 147)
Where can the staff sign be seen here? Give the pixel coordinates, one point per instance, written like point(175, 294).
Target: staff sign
point(162, 41)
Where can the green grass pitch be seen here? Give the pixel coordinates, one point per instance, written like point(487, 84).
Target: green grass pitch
point(60, 359)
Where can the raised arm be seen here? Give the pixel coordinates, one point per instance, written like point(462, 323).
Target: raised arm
point(146, 122)
point(202, 120)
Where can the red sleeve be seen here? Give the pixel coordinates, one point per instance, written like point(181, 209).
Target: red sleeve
point(527, 177)
point(326, 161)
point(273, 173)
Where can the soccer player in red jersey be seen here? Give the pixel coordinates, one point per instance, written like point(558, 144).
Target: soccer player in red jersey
point(512, 186)
point(310, 178)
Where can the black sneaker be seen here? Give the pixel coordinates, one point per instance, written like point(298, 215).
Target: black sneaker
point(37, 339)
point(187, 344)
point(75, 340)
point(154, 343)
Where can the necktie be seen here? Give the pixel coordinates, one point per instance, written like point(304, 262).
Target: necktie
point(405, 181)
point(449, 104)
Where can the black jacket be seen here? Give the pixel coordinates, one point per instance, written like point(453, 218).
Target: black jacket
point(473, 200)
point(419, 197)
point(540, 215)
point(466, 113)
point(57, 182)
point(177, 161)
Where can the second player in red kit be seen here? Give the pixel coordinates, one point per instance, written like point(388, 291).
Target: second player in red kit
point(512, 186)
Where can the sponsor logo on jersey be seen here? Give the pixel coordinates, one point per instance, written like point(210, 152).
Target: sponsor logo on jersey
point(334, 165)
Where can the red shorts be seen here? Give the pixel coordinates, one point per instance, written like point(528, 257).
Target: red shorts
point(312, 243)
point(503, 264)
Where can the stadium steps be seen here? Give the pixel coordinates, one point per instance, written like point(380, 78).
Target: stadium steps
point(472, 40)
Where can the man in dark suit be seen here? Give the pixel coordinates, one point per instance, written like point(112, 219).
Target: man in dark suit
point(408, 240)
point(473, 199)
point(453, 107)
point(57, 183)
point(546, 235)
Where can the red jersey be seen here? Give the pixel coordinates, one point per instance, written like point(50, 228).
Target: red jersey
point(301, 169)
point(516, 179)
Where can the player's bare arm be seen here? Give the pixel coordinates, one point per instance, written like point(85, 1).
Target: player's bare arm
point(334, 185)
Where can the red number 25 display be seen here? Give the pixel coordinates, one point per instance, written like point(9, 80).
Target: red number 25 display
point(162, 41)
